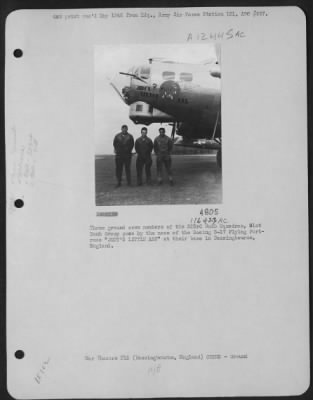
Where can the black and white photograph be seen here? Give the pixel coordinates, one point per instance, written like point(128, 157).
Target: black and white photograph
point(144, 258)
point(158, 124)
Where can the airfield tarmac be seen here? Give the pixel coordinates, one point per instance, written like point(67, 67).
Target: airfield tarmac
point(198, 180)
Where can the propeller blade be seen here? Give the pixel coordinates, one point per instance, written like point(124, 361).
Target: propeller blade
point(118, 92)
point(218, 52)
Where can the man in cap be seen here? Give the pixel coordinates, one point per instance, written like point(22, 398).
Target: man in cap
point(163, 146)
point(123, 145)
point(143, 147)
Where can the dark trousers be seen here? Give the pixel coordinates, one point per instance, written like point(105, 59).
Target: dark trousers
point(120, 162)
point(167, 162)
point(140, 163)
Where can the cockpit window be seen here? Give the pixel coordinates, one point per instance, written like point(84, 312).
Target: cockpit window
point(145, 72)
point(168, 75)
point(185, 76)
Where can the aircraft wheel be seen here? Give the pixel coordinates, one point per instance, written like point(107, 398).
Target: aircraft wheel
point(219, 158)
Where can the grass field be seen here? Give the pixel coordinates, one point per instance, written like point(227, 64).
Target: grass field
point(198, 180)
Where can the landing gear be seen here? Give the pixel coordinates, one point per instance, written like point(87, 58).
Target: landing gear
point(219, 158)
point(174, 130)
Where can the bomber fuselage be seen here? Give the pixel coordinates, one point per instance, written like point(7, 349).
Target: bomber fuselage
point(186, 93)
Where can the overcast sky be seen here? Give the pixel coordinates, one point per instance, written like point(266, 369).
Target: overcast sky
point(110, 111)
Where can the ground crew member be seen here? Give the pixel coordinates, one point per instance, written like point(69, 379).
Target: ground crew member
point(163, 146)
point(123, 145)
point(143, 147)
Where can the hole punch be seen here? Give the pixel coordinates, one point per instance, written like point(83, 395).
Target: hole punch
point(19, 354)
point(19, 203)
point(17, 53)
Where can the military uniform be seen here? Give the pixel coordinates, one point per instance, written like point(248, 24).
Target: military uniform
point(143, 147)
point(163, 146)
point(123, 146)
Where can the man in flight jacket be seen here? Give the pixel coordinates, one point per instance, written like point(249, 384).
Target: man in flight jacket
point(143, 147)
point(123, 145)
